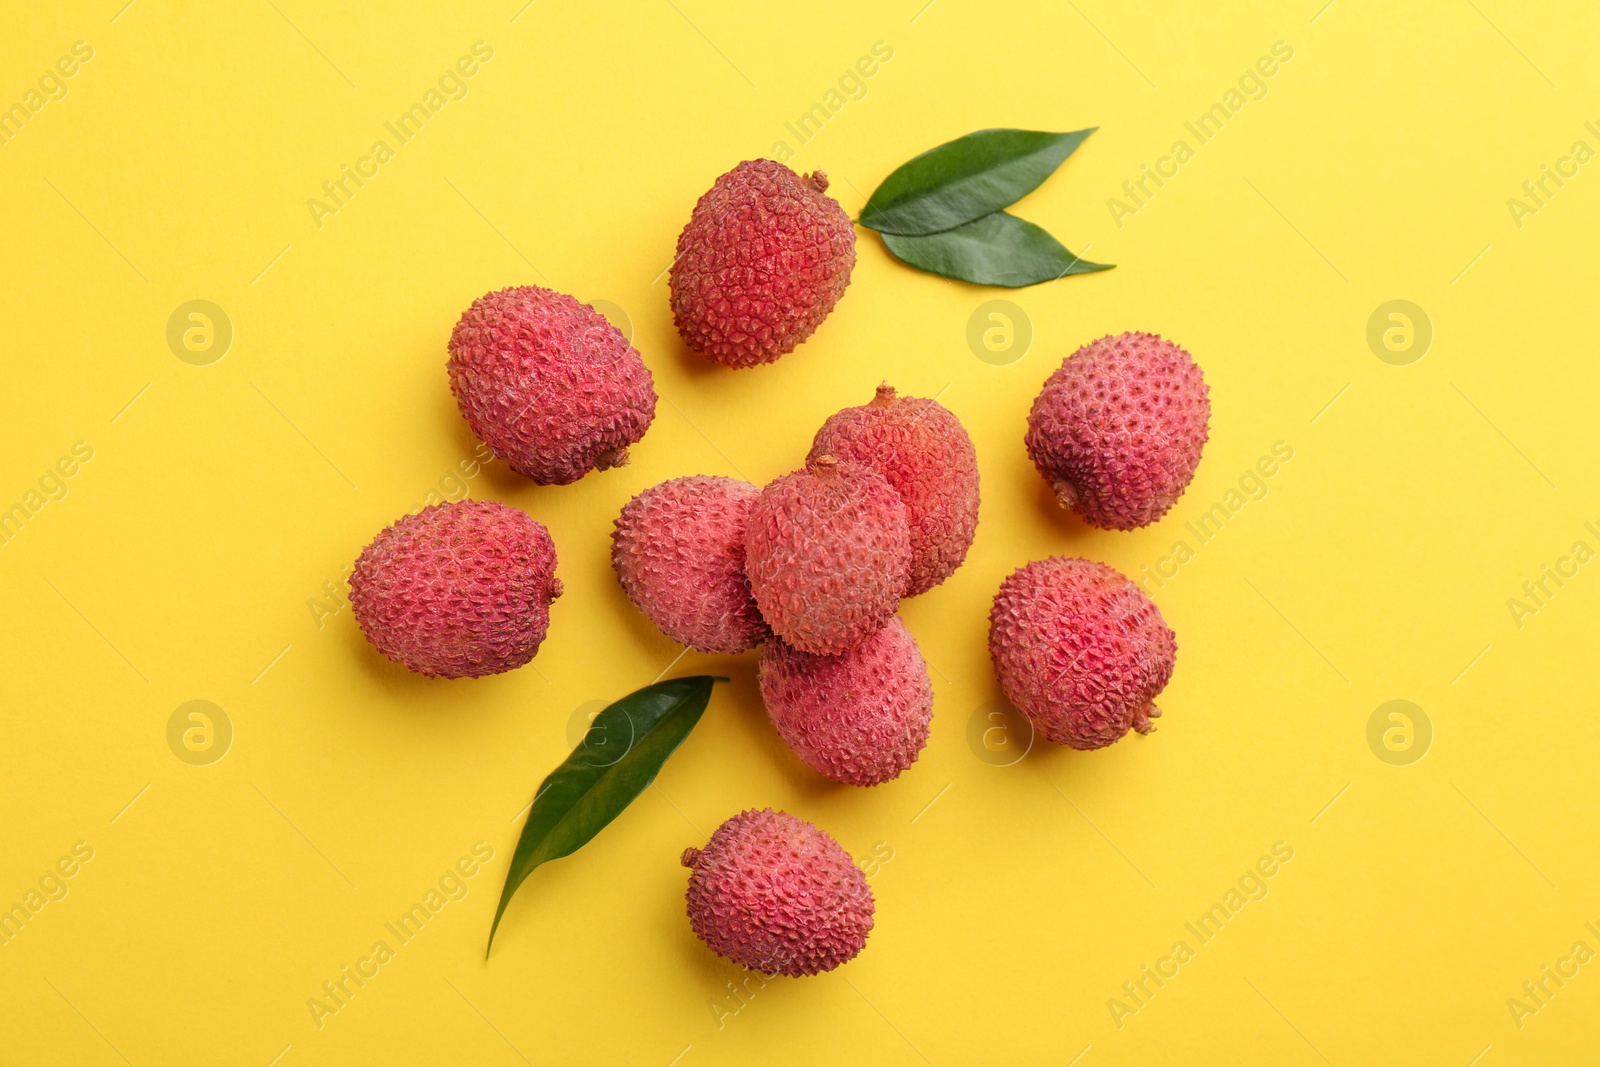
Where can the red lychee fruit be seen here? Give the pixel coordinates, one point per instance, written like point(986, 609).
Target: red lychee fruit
point(549, 384)
point(457, 590)
point(925, 453)
point(860, 717)
point(828, 553)
point(1080, 650)
point(678, 550)
point(1117, 431)
point(773, 893)
point(764, 258)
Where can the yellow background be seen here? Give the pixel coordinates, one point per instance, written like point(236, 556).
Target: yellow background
point(188, 556)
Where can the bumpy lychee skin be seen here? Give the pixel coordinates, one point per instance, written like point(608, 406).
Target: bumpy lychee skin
point(860, 717)
point(457, 590)
point(1117, 431)
point(773, 893)
point(765, 256)
point(678, 550)
point(549, 384)
point(1080, 650)
point(828, 553)
point(925, 453)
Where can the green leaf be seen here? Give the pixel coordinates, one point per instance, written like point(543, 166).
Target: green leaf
point(998, 249)
point(617, 759)
point(965, 179)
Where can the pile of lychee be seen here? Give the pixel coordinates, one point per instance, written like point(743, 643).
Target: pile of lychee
point(811, 567)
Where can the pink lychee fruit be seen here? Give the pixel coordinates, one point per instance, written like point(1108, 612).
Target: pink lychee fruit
point(678, 550)
point(1080, 650)
point(549, 384)
point(828, 553)
point(860, 717)
point(1117, 431)
point(925, 453)
point(457, 590)
point(773, 893)
point(765, 256)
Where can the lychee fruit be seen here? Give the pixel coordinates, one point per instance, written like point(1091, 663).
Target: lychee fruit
point(549, 384)
point(860, 717)
point(828, 553)
point(1080, 650)
point(457, 590)
point(678, 550)
point(773, 893)
point(925, 453)
point(1117, 431)
point(765, 256)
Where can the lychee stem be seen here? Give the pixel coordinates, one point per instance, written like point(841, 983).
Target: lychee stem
point(1066, 492)
point(616, 457)
point(819, 179)
point(690, 857)
point(825, 466)
point(885, 395)
point(1142, 717)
